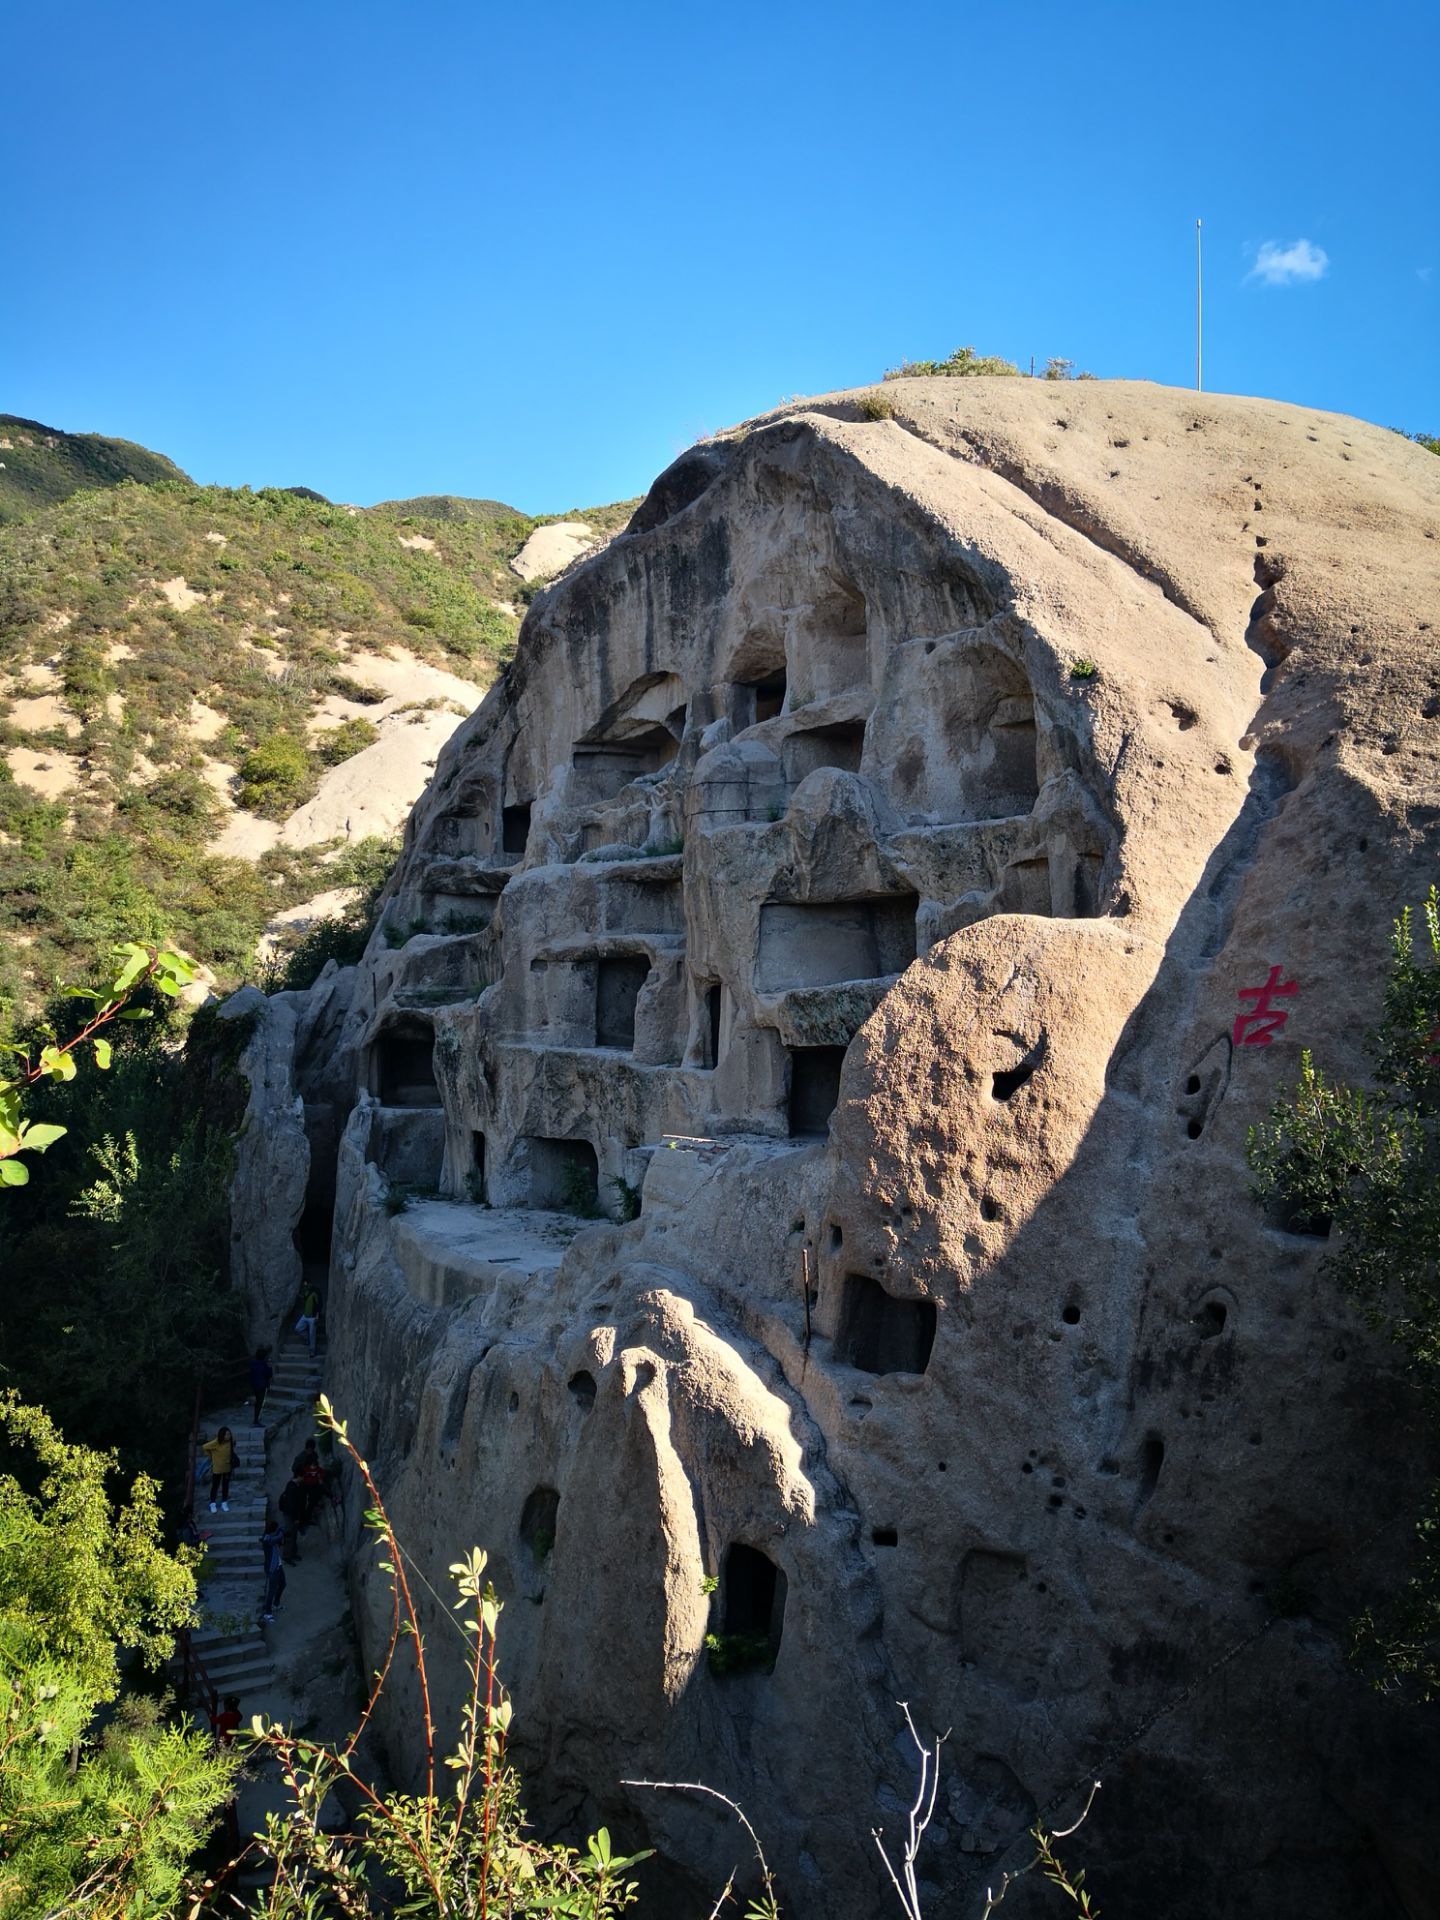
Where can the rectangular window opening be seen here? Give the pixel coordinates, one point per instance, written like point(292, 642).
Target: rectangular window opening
point(618, 983)
point(515, 827)
point(814, 1089)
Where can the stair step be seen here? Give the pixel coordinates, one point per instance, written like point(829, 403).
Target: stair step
point(226, 1647)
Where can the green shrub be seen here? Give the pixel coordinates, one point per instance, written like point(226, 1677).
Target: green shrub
point(346, 740)
point(178, 798)
point(875, 406)
point(275, 776)
point(1365, 1163)
point(739, 1653)
point(627, 1198)
point(963, 363)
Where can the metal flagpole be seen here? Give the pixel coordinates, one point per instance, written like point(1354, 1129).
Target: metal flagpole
point(1197, 306)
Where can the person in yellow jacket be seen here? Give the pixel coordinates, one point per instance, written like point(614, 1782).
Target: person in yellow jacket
point(220, 1452)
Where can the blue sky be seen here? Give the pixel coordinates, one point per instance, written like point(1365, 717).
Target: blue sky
point(531, 252)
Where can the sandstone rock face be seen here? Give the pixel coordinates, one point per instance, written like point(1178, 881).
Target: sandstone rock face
point(859, 870)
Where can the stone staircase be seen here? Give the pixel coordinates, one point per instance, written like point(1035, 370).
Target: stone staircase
point(230, 1641)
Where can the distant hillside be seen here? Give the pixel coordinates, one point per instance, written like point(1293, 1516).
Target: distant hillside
point(209, 697)
point(40, 465)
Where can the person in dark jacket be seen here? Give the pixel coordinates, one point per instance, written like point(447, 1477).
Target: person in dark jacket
point(261, 1374)
point(271, 1542)
point(294, 1503)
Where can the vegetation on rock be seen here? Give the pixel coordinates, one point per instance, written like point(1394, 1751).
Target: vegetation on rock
point(963, 363)
point(1365, 1164)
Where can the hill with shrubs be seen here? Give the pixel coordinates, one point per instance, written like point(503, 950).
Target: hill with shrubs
point(181, 668)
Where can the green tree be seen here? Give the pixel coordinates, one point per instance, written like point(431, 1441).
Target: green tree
point(129, 1226)
point(1367, 1161)
point(103, 1798)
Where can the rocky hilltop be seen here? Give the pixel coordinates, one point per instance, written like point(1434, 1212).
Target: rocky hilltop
point(788, 1132)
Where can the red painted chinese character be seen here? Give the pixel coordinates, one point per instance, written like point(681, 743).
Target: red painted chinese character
point(1258, 1027)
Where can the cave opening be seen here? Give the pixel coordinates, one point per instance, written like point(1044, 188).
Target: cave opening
point(515, 827)
point(840, 746)
point(714, 1009)
point(404, 1066)
point(819, 943)
point(564, 1176)
point(753, 1597)
point(814, 1090)
point(880, 1333)
point(618, 981)
point(766, 698)
point(538, 1521)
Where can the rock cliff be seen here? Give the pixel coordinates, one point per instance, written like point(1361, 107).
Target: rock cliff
point(861, 871)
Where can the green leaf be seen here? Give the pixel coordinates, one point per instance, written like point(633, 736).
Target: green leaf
point(13, 1173)
point(135, 1013)
point(137, 960)
point(41, 1135)
point(102, 1052)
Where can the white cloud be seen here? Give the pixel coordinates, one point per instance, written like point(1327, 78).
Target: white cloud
point(1423, 274)
point(1287, 265)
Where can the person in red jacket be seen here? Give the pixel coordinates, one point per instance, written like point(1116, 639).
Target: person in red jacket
point(225, 1721)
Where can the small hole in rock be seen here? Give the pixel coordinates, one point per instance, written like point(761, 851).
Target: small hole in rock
point(1192, 1085)
point(1211, 1319)
point(1071, 1315)
point(885, 1537)
point(837, 1238)
point(1005, 1085)
point(1194, 1129)
point(989, 1209)
point(582, 1385)
point(514, 1403)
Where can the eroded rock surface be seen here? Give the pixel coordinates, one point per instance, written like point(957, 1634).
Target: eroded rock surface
point(858, 870)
